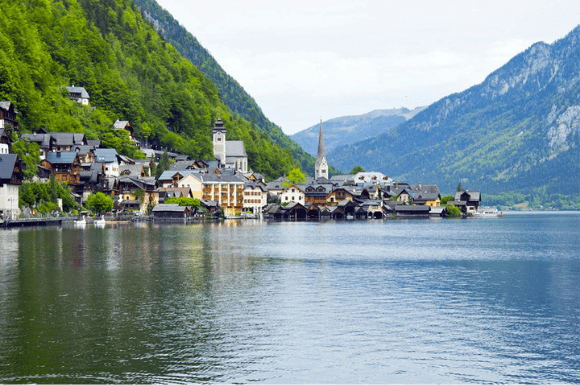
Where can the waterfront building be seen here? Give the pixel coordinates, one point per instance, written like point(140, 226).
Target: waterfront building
point(293, 193)
point(11, 177)
point(255, 197)
point(226, 190)
point(321, 165)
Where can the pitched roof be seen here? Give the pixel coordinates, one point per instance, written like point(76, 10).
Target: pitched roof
point(7, 163)
point(105, 155)
point(210, 178)
point(120, 124)
point(235, 148)
point(471, 195)
point(78, 90)
point(61, 157)
point(172, 207)
point(5, 104)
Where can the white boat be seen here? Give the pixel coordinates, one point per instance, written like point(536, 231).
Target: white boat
point(487, 212)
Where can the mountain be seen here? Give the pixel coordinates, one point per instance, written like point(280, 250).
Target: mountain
point(349, 129)
point(517, 131)
point(130, 73)
point(231, 92)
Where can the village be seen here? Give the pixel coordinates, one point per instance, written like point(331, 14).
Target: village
point(225, 187)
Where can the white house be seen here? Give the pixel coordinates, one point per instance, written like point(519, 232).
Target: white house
point(108, 157)
point(255, 197)
point(10, 178)
point(292, 193)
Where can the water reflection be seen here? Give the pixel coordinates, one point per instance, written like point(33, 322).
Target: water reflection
point(413, 301)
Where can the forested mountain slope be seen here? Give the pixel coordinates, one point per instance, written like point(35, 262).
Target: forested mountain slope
point(515, 132)
point(350, 129)
point(128, 70)
point(231, 92)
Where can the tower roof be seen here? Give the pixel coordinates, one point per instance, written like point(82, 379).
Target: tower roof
point(219, 125)
point(321, 152)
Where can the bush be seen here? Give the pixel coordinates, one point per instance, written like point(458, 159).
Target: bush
point(453, 212)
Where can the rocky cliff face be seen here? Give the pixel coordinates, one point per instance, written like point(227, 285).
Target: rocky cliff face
point(516, 130)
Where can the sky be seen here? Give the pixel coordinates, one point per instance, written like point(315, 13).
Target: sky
point(303, 61)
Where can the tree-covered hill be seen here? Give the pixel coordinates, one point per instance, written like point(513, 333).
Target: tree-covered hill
point(231, 92)
point(350, 129)
point(130, 72)
point(518, 131)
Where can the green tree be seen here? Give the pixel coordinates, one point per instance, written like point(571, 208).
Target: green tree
point(453, 212)
point(183, 201)
point(459, 187)
point(356, 170)
point(99, 203)
point(163, 164)
point(446, 199)
point(294, 177)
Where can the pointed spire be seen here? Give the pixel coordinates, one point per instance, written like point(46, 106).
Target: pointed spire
point(321, 143)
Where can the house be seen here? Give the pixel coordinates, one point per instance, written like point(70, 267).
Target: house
point(407, 211)
point(230, 154)
point(192, 182)
point(126, 189)
point(8, 116)
point(86, 154)
point(339, 194)
point(78, 94)
point(125, 125)
point(108, 157)
point(255, 197)
point(226, 190)
point(427, 195)
point(275, 187)
point(317, 194)
point(467, 201)
point(171, 211)
point(293, 193)
point(65, 166)
point(5, 141)
point(11, 177)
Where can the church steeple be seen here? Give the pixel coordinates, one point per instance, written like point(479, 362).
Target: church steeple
point(321, 166)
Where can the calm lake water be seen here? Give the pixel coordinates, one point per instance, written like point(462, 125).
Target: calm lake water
point(420, 301)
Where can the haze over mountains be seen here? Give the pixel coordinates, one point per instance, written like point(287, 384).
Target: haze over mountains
point(349, 129)
point(516, 131)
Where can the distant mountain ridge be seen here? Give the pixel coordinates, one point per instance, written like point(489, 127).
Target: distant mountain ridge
point(350, 129)
point(231, 92)
point(516, 131)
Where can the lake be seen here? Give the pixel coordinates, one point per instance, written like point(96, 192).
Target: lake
point(397, 301)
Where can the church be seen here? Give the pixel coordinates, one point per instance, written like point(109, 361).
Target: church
point(231, 153)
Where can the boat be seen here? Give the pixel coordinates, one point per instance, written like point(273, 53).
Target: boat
point(487, 212)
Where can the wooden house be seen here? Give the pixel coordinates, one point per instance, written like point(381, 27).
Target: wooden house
point(8, 116)
point(339, 194)
point(65, 166)
point(171, 211)
point(78, 94)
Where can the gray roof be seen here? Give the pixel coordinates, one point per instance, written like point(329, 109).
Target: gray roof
point(5, 104)
point(7, 163)
point(235, 148)
point(105, 155)
point(120, 124)
point(418, 209)
point(77, 90)
point(255, 186)
point(61, 157)
point(168, 175)
point(173, 207)
point(473, 195)
point(217, 178)
point(94, 143)
point(82, 150)
point(275, 185)
point(132, 169)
